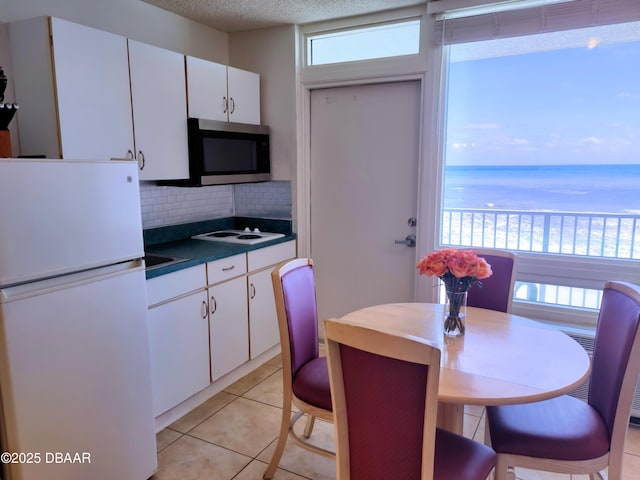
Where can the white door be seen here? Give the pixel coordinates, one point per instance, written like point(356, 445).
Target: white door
point(364, 176)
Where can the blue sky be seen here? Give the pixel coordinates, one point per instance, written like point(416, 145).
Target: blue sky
point(572, 106)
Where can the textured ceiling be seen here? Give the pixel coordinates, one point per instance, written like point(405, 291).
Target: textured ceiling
point(240, 15)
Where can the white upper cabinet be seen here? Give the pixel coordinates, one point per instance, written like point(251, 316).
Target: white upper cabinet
point(244, 96)
point(72, 84)
point(207, 89)
point(218, 92)
point(89, 94)
point(158, 93)
point(92, 87)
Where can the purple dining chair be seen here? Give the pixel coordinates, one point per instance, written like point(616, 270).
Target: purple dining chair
point(567, 435)
point(305, 373)
point(385, 396)
point(496, 292)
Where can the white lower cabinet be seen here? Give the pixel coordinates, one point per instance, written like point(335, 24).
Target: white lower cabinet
point(263, 320)
point(262, 314)
point(178, 336)
point(229, 326)
point(180, 350)
point(206, 322)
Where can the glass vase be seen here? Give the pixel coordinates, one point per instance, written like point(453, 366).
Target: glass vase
point(455, 312)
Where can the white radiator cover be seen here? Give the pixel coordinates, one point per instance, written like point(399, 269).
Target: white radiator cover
point(586, 339)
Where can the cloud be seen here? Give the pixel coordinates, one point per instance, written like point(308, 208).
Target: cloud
point(592, 140)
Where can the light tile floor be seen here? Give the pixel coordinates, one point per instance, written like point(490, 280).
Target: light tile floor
point(233, 434)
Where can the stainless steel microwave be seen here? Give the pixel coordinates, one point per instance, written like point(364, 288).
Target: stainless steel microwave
point(226, 152)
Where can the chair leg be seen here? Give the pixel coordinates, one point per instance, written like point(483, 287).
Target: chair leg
point(311, 421)
point(598, 476)
point(503, 471)
point(487, 433)
point(282, 441)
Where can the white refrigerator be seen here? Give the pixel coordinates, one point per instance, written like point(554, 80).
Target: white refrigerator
point(75, 386)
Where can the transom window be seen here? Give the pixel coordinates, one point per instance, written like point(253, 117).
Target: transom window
point(364, 43)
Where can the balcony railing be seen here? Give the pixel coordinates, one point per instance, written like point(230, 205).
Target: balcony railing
point(570, 233)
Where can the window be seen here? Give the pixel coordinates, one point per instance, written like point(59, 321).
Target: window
point(364, 43)
point(541, 146)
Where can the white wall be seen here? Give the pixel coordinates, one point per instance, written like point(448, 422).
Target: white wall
point(130, 18)
point(271, 52)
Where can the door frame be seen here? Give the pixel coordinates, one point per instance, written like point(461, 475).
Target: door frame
point(429, 193)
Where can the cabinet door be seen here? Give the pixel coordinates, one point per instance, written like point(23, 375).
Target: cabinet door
point(159, 98)
point(178, 337)
point(263, 326)
point(244, 96)
point(207, 89)
point(229, 326)
point(92, 88)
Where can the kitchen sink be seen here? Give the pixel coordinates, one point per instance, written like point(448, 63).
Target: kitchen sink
point(156, 261)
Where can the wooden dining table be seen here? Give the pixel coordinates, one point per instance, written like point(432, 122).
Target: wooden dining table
point(501, 359)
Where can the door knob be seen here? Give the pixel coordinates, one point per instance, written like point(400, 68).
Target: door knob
point(409, 241)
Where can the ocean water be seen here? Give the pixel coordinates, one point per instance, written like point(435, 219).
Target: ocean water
point(575, 188)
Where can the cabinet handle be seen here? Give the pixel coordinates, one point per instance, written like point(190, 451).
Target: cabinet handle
point(140, 160)
point(225, 105)
point(253, 291)
point(203, 310)
point(233, 105)
point(214, 305)
point(228, 269)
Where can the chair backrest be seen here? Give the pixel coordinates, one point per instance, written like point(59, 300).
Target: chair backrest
point(496, 292)
point(616, 358)
point(384, 389)
point(295, 296)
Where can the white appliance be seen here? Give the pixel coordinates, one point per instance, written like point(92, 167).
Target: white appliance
point(75, 384)
point(246, 236)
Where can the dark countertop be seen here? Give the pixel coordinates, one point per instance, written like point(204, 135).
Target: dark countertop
point(175, 241)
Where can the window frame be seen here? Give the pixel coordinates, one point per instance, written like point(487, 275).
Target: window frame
point(378, 68)
point(546, 268)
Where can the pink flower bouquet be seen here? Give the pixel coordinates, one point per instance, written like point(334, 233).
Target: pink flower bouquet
point(459, 270)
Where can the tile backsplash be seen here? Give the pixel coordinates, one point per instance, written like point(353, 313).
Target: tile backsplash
point(171, 205)
point(263, 199)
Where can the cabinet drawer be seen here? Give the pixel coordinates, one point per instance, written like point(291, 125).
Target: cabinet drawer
point(226, 268)
point(175, 284)
point(271, 255)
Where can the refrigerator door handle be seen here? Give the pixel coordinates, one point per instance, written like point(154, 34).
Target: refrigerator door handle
point(17, 292)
